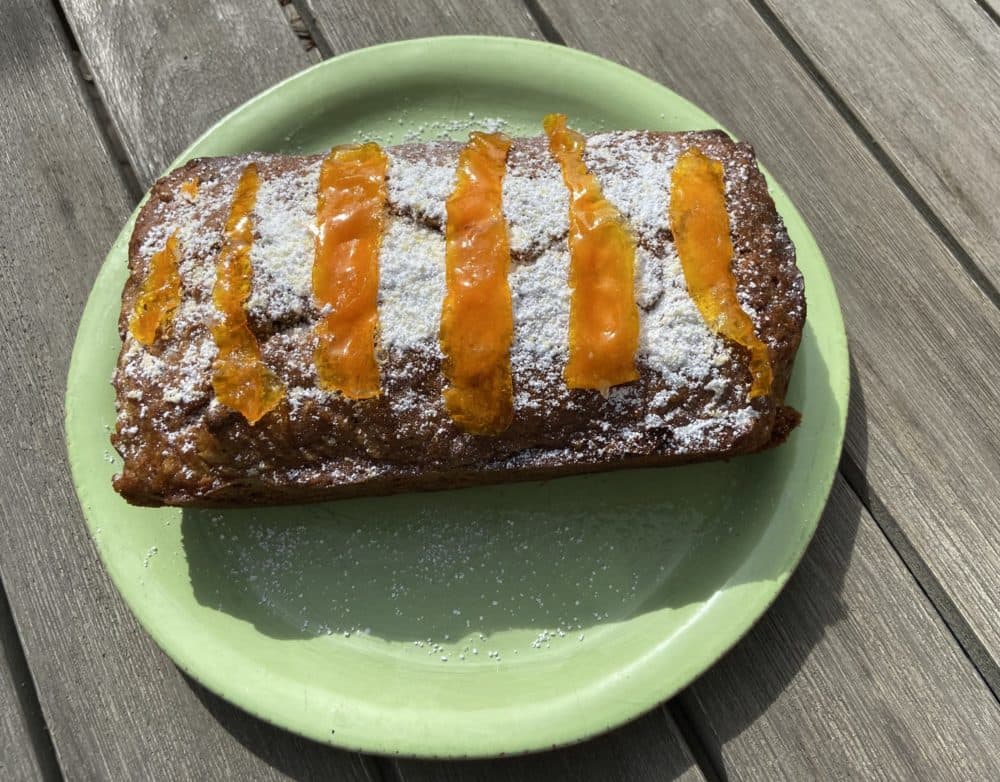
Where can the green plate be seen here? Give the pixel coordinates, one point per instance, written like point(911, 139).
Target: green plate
point(481, 621)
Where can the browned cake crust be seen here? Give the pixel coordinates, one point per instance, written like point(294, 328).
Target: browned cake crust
point(181, 447)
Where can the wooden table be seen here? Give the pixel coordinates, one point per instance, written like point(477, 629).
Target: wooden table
point(880, 119)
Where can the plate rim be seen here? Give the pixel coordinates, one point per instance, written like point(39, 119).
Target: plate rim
point(837, 349)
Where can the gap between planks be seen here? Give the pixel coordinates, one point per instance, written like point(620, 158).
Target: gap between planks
point(308, 24)
point(300, 26)
point(544, 22)
point(42, 748)
point(95, 103)
point(989, 10)
point(697, 744)
point(928, 583)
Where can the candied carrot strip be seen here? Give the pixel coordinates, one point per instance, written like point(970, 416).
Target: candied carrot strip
point(350, 219)
point(603, 315)
point(240, 378)
point(477, 321)
point(700, 224)
point(189, 188)
point(159, 294)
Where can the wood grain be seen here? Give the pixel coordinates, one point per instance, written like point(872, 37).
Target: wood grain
point(25, 750)
point(924, 337)
point(850, 675)
point(167, 71)
point(115, 706)
point(648, 749)
point(344, 25)
point(924, 79)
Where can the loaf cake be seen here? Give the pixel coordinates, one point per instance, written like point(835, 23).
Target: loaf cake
point(441, 314)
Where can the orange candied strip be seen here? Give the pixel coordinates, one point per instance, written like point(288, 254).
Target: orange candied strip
point(239, 376)
point(603, 315)
point(189, 188)
point(159, 294)
point(350, 217)
point(477, 321)
point(700, 223)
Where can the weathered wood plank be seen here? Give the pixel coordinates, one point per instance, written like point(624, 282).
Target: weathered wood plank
point(167, 71)
point(116, 707)
point(346, 25)
point(25, 750)
point(648, 749)
point(924, 338)
point(924, 79)
point(850, 675)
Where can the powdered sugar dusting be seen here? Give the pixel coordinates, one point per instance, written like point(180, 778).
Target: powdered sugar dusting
point(634, 173)
point(411, 285)
point(183, 370)
point(282, 253)
point(195, 363)
point(535, 202)
point(299, 395)
point(420, 187)
point(522, 578)
point(673, 337)
point(540, 296)
point(454, 128)
point(197, 232)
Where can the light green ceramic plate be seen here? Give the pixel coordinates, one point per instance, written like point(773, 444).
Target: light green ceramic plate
point(480, 621)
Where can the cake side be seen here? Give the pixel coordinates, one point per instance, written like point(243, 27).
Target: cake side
point(182, 447)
